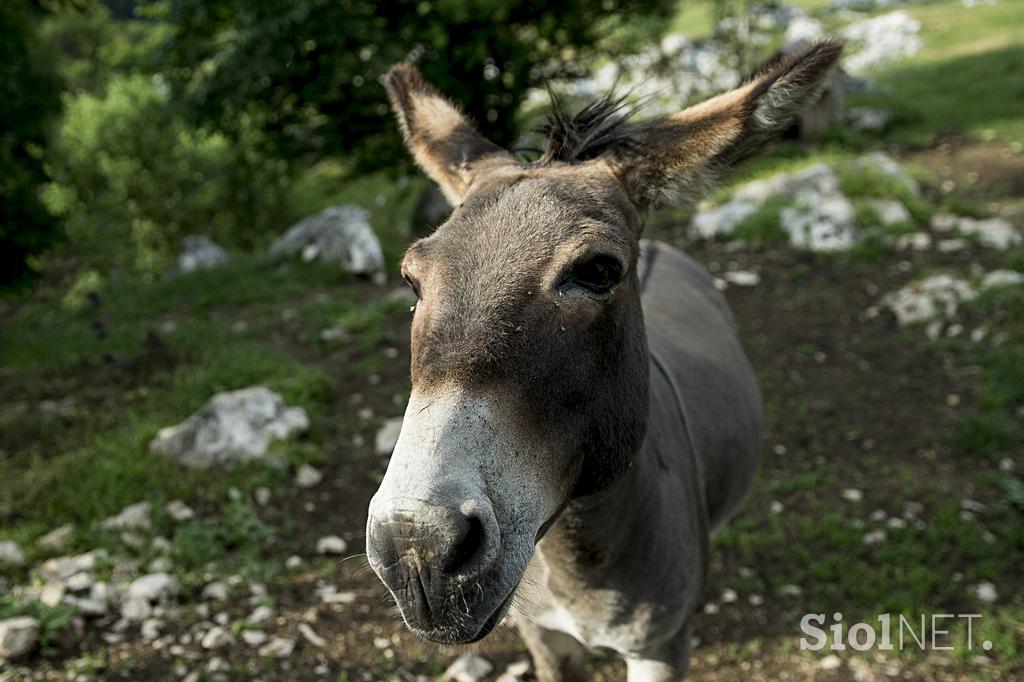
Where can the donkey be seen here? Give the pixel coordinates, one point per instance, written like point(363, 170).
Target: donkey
point(582, 416)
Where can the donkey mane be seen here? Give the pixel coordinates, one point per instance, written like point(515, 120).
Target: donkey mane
point(598, 126)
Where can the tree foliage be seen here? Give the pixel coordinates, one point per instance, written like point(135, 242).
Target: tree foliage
point(312, 66)
point(31, 97)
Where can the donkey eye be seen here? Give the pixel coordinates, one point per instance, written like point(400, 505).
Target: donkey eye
point(413, 284)
point(599, 274)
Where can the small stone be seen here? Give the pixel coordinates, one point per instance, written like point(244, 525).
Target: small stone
point(468, 668)
point(896, 523)
point(310, 635)
point(776, 507)
point(278, 647)
point(387, 436)
point(756, 600)
point(972, 505)
point(852, 495)
point(52, 594)
point(729, 596)
point(57, 538)
point(18, 636)
point(830, 662)
point(260, 614)
point(262, 496)
point(86, 606)
point(79, 582)
point(711, 608)
point(331, 544)
point(330, 595)
point(161, 564)
point(150, 629)
point(986, 592)
point(334, 334)
point(308, 476)
point(254, 637)
point(742, 278)
point(216, 591)
point(1007, 465)
point(132, 517)
point(136, 609)
point(878, 516)
point(154, 587)
point(11, 554)
point(217, 638)
point(790, 590)
point(179, 511)
point(951, 245)
point(875, 537)
point(293, 562)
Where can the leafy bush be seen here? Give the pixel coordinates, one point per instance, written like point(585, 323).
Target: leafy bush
point(131, 179)
point(30, 99)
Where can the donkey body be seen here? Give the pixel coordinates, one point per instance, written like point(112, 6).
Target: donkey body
point(582, 415)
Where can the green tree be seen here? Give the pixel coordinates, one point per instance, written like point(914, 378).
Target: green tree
point(312, 65)
point(30, 98)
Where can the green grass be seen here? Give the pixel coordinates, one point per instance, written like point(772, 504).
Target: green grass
point(88, 464)
point(966, 80)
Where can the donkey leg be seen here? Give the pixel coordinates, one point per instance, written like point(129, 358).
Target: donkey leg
point(667, 662)
point(557, 657)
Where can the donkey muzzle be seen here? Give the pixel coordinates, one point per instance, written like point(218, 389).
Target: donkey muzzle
point(437, 560)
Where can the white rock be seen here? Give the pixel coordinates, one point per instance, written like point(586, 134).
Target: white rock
point(972, 505)
point(331, 544)
point(995, 233)
point(880, 40)
point(875, 537)
point(1002, 278)
point(728, 596)
point(136, 609)
point(79, 582)
point(63, 568)
point(233, 426)
point(790, 590)
point(217, 638)
point(916, 241)
point(154, 587)
point(830, 662)
point(822, 223)
point(260, 614)
point(890, 211)
point(293, 562)
point(715, 221)
point(986, 592)
point(852, 495)
point(387, 436)
point(216, 591)
point(468, 668)
point(339, 234)
point(310, 635)
point(278, 647)
point(199, 252)
point(11, 554)
point(329, 595)
point(927, 298)
point(52, 593)
point(776, 507)
point(951, 245)
point(57, 538)
point(150, 629)
point(743, 278)
point(179, 511)
point(262, 496)
point(803, 28)
point(18, 636)
point(254, 637)
point(336, 333)
point(132, 517)
point(308, 476)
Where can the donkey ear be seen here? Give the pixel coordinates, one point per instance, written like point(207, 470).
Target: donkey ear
point(444, 143)
point(683, 153)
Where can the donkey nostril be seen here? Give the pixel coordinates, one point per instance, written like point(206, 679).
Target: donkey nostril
point(468, 545)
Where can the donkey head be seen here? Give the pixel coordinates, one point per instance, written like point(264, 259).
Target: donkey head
point(529, 361)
